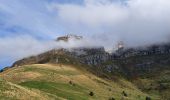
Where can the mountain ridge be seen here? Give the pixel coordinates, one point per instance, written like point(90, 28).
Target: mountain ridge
point(142, 68)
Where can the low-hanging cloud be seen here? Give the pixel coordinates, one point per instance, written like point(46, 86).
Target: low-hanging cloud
point(101, 22)
point(15, 48)
point(136, 22)
point(18, 47)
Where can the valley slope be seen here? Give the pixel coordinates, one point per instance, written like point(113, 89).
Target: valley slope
point(60, 81)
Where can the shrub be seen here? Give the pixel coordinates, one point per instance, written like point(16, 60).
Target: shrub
point(70, 82)
point(124, 94)
point(91, 93)
point(148, 98)
point(111, 98)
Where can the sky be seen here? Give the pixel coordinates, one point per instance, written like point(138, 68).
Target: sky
point(29, 27)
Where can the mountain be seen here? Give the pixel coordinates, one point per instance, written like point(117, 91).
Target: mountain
point(92, 74)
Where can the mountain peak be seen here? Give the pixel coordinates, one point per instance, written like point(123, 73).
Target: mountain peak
point(67, 37)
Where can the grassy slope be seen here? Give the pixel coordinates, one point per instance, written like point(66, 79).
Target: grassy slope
point(65, 82)
point(156, 82)
point(156, 86)
point(10, 91)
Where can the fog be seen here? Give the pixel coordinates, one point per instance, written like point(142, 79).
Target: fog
point(136, 22)
point(19, 47)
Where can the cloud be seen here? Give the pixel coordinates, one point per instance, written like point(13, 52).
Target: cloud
point(17, 47)
point(92, 14)
point(136, 22)
point(26, 27)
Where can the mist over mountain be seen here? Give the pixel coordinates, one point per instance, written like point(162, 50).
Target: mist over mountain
point(137, 22)
point(101, 22)
point(84, 50)
point(144, 69)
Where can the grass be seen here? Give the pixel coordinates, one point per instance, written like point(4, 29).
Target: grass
point(53, 81)
point(60, 89)
point(47, 71)
point(157, 87)
point(10, 91)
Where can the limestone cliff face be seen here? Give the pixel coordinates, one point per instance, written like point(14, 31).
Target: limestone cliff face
point(41, 58)
point(144, 51)
point(130, 62)
point(90, 56)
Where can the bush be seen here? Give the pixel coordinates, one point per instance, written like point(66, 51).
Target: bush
point(70, 82)
point(148, 98)
point(91, 93)
point(111, 98)
point(124, 94)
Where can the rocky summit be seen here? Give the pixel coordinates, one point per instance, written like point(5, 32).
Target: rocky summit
point(68, 37)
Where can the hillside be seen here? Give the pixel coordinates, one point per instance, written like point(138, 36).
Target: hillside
point(150, 73)
point(11, 91)
point(92, 73)
point(59, 81)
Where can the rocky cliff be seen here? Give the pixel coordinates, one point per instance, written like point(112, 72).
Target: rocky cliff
point(130, 62)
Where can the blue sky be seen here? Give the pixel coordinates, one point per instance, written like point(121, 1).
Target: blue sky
point(26, 17)
point(28, 27)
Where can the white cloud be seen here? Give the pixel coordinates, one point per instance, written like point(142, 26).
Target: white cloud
point(18, 47)
point(22, 46)
point(93, 13)
point(103, 22)
point(137, 22)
